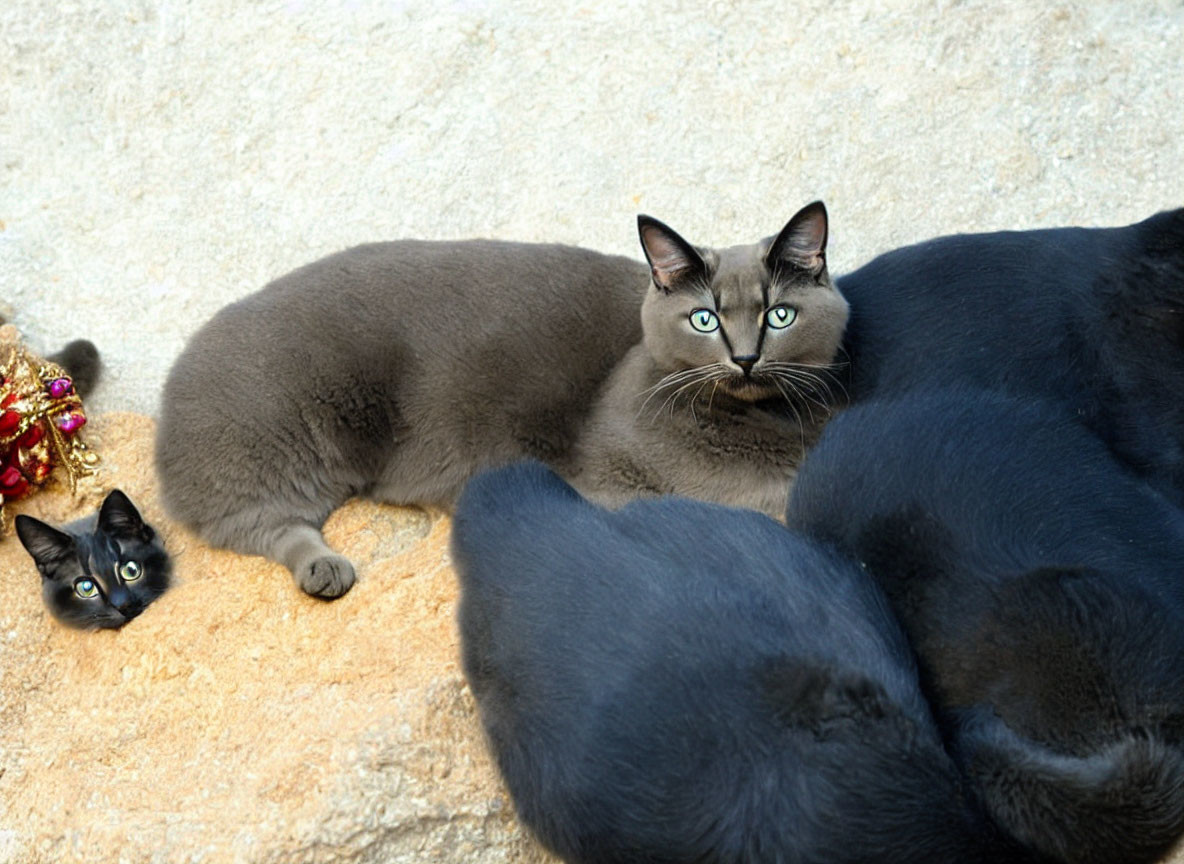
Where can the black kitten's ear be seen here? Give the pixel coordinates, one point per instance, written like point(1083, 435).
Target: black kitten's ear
point(45, 543)
point(802, 242)
point(119, 517)
point(671, 258)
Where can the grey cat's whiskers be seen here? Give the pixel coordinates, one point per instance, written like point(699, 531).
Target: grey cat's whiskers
point(805, 396)
point(670, 380)
point(684, 378)
point(806, 371)
point(705, 376)
point(711, 398)
point(714, 381)
point(792, 407)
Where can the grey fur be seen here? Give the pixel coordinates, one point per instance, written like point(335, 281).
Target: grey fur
point(393, 370)
point(398, 370)
point(720, 434)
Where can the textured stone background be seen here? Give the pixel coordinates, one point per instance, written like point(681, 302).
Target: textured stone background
point(158, 159)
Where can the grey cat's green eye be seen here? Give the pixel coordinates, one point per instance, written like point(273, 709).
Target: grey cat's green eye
point(130, 571)
point(85, 588)
point(780, 317)
point(704, 320)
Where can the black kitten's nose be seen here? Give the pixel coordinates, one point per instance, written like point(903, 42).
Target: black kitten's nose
point(120, 599)
point(746, 362)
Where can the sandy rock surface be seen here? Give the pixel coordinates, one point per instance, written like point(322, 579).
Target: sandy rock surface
point(237, 720)
point(160, 158)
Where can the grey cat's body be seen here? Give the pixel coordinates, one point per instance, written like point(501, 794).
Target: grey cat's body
point(398, 370)
point(394, 370)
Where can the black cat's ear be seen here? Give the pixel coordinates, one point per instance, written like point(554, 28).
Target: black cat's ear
point(816, 696)
point(46, 544)
point(802, 242)
point(120, 518)
point(671, 258)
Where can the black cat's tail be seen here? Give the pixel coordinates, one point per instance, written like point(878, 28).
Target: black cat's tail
point(1124, 803)
point(80, 359)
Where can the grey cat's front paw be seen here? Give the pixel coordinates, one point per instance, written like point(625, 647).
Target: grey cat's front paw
point(328, 577)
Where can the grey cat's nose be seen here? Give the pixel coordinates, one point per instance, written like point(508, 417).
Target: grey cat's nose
point(746, 362)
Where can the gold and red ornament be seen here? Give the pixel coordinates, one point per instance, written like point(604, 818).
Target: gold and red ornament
point(40, 417)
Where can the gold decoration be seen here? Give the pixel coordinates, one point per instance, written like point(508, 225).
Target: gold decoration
point(40, 417)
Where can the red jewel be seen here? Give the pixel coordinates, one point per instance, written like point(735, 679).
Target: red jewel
point(32, 437)
point(10, 478)
point(9, 420)
point(7, 400)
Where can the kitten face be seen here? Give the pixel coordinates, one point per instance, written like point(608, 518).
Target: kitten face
point(100, 572)
point(755, 319)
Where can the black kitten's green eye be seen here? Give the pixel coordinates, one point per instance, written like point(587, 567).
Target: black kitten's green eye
point(704, 321)
point(130, 571)
point(85, 589)
point(780, 317)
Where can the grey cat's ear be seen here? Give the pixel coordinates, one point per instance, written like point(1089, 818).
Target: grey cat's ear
point(671, 258)
point(802, 242)
point(120, 518)
point(45, 543)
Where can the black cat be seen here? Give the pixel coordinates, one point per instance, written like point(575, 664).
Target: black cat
point(101, 571)
point(1041, 584)
point(683, 682)
point(1090, 318)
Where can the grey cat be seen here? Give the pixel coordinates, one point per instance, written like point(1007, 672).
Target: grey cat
point(393, 370)
point(398, 370)
point(733, 379)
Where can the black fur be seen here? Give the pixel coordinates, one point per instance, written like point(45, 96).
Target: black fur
point(683, 682)
point(80, 359)
point(1042, 586)
point(94, 553)
point(1089, 318)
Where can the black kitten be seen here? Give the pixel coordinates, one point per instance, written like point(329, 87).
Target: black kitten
point(101, 571)
point(1092, 319)
point(683, 682)
point(1042, 586)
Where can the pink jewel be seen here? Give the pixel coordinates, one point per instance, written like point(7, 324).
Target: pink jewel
point(71, 422)
point(59, 387)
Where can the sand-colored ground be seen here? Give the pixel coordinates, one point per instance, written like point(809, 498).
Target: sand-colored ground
point(238, 720)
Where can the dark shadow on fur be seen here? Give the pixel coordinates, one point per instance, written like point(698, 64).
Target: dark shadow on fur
point(1039, 581)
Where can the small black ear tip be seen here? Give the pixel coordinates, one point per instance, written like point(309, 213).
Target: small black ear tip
point(117, 509)
point(814, 209)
